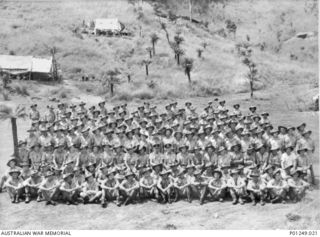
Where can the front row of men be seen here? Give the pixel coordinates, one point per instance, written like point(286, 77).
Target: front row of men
point(241, 184)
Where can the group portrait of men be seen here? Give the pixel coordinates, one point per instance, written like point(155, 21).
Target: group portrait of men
point(78, 154)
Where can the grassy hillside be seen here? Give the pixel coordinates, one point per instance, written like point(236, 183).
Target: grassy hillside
point(31, 28)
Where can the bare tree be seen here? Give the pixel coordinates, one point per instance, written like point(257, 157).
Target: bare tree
point(112, 79)
point(252, 74)
point(164, 28)
point(129, 73)
point(154, 39)
point(190, 9)
point(188, 66)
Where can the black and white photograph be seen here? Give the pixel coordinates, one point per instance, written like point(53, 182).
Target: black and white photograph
point(159, 115)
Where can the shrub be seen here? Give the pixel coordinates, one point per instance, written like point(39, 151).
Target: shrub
point(21, 90)
point(76, 70)
point(5, 95)
point(61, 93)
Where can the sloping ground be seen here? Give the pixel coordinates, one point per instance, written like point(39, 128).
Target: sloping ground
point(219, 71)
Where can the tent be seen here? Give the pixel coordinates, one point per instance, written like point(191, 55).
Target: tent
point(31, 67)
point(104, 25)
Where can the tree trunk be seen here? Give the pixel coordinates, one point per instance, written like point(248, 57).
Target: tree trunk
point(147, 69)
point(150, 54)
point(190, 10)
point(111, 89)
point(251, 89)
point(129, 78)
point(178, 59)
point(199, 54)
point(153, 48)
point(15, 136)
point(189, 77)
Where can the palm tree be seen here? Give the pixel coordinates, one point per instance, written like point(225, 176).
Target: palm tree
point(178, 39)
point(6, 113)
point(146, 62)
point(149, 49)
point(154, 39)
point(188, 65)
point(178, 52)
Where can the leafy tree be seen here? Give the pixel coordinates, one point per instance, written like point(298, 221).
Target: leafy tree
point(12, 114)
point(147, 62)
point(231, 27)
point(188, 66)
point(154, 39)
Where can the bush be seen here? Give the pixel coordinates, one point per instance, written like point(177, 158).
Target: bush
point(5, 95)
point(204, 88)
point(21, 90)
point(87, 87)
point(76, 70)
point(60, 93)
point(63, 95)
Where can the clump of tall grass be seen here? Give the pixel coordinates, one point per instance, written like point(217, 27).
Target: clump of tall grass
point(21, 89)
point(5, 95)
point(130, 91)
point(60, 93)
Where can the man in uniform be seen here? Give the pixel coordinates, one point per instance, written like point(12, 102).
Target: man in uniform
point(110, 189)
point(32, 186)
point(69, 189)
point(256, 188)
point(49, 188)
point(278, 187)
point(165, 186)
point(217, 186)
point(297, 186)
point(236, 187)
point(14, 185)
point(129, 188)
